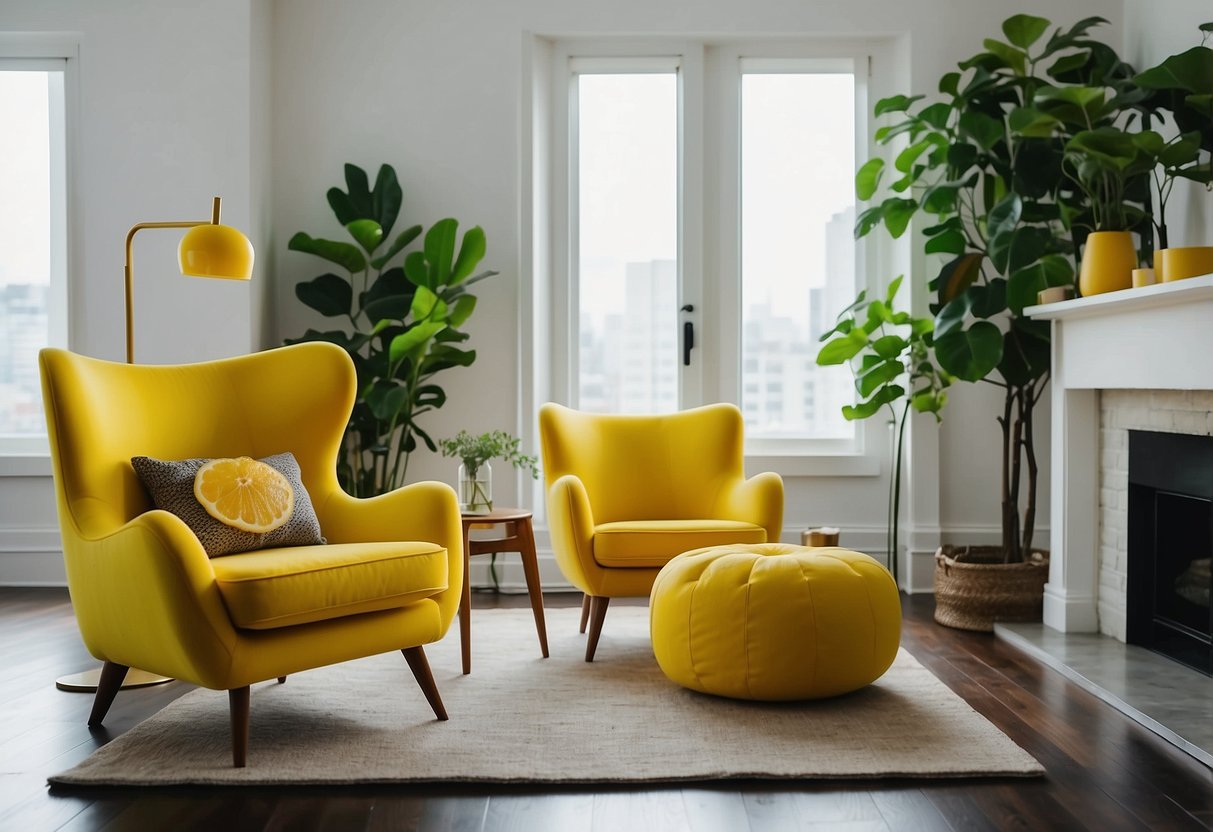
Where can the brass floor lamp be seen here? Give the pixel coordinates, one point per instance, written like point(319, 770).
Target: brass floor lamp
point(208, 249)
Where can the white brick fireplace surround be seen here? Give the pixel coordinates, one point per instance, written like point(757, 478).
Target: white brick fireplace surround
point(1134, 359)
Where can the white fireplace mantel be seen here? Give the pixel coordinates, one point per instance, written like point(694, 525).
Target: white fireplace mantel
point(1153, 337)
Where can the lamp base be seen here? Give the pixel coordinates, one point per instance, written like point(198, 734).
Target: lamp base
point(86, 682)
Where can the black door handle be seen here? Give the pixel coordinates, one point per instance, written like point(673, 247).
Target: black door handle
point(688, 337)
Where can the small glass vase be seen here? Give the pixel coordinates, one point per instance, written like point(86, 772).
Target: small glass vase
point(476, 489)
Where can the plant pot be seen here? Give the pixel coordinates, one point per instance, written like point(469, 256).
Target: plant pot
point(974, 588)
point(476, 489)
point(1108, 260)
point(1183, 262)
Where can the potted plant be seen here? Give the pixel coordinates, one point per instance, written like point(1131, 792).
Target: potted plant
point(1181, 88)
point(404, 320)
point(983, 168)
point(475, 475)
point(1109, 164)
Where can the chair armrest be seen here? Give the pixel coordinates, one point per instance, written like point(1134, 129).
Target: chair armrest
point(571, 524)
point(427, 511)
point(145, 596)
point(758, 500)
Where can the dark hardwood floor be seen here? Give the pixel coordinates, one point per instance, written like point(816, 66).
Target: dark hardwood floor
point(1104, 772)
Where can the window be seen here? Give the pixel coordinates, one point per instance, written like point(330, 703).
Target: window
point(33, 240)
point(705, 244)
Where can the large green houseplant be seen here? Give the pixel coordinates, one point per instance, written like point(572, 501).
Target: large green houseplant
point(402, 316)
point(980, 167)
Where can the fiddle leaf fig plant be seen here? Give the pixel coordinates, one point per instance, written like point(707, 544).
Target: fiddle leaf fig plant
point(978, 170)
point(403, 321)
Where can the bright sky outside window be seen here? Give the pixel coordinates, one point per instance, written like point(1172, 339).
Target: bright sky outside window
point(798, 253)
point(627, 179)
point(28, 144)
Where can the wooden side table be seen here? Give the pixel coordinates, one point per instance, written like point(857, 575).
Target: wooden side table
point(517, 536)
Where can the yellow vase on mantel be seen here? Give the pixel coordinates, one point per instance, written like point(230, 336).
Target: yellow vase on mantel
point(1182, 262)
point(1108, 260)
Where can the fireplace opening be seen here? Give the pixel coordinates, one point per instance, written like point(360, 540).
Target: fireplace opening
point(1170, 546)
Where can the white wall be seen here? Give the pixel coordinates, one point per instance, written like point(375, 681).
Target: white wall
point(163, 122)
point(175, 103)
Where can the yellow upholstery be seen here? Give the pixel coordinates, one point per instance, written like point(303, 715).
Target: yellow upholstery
point(627, 493)
point(774, 621)
point(274, 588)
point(145, 593)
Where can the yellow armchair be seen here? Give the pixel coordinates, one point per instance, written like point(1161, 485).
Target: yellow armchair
point(145, 592)
point(625, 494)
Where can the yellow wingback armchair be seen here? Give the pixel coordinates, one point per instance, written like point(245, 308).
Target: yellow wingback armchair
point(144, 591)
point(625, 494)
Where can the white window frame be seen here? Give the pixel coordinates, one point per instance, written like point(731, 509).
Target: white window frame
point(549, 306)
point(55, 52)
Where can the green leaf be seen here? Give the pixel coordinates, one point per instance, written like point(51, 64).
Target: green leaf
point(402, 239)
point(1032, 123)
point(937, 115)
point(463, 310)
point(368, 234)
point(359, 191)
point(906, 158)
point(843, 348)
point(970, 354)
point(1065, 66)
point(343, 254)
point(416, 270)
point(868, 219)
point(390, 296)
point(1023, 30)
point(961, 157)
point(1081, 106)
point(341, 205)
point(387, 399)
point(1023, 286)
point(877, 376)
point(895, 104)
point(864, 410)
point(471, 252)
point(424, 303)
point(984, 130)
point(891, 292)
point(412, 342)
point(440, 250)
point(328, 294)
point(386, 199)
point(1191, 71)
point(1005, 215)
point(1012, 57)
point(889, 346)
point(957, 276)
point(949, 82)
point(949, 242)
point(897, 214)
point(867, 178)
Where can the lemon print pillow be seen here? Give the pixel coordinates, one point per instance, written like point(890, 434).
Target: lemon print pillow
point(234, 504)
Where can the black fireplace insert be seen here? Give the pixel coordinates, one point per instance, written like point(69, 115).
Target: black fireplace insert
point(1170, 546)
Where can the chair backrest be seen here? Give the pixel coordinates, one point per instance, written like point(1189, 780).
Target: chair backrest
point(663, 467)
point(99, 414)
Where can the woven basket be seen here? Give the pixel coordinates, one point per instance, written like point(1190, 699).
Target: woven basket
point(974, 588)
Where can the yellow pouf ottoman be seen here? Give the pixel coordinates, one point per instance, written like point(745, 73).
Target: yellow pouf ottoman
point(774, 621)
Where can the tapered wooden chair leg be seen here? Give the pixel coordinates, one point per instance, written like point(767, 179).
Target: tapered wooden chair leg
point(415, 656)
point(585, 611)
point(282, 680)
point(107, 688)
point(598, 608)
point(238, 700)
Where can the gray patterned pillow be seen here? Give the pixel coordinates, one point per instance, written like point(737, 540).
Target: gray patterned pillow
point(171, 486)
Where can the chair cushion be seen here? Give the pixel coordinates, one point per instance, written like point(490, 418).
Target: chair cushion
point(651, 543)
point(273, 588)
point(170, 484)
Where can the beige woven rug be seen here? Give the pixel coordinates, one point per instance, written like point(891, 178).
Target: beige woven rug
point(521, 718)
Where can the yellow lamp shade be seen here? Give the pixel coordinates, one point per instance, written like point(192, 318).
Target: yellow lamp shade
point(216, 251)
